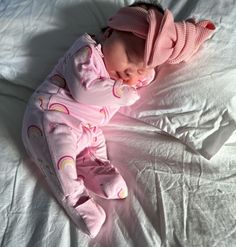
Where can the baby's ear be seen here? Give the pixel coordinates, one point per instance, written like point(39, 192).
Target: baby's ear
point(107, 33)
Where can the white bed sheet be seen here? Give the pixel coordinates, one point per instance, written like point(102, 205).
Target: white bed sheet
point(176, 198)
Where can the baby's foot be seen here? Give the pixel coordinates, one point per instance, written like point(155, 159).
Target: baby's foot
point(92, 214)
point(102, 178)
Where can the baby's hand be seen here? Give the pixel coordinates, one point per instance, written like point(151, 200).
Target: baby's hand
point(127, 93)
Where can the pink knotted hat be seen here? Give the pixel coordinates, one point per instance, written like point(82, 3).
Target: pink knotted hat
point(166, 41)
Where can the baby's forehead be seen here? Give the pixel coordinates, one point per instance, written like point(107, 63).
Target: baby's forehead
point(135, 46)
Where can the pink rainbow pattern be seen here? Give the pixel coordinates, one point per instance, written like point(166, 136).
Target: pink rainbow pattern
point(58, 80)
point(117, 91)
point(40, 98)
point(59, 107)
point(34, 131)
point(65, 161)
point(123, 193)
point(105, 114)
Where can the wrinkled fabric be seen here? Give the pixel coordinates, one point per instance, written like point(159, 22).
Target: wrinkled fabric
point(176, 197)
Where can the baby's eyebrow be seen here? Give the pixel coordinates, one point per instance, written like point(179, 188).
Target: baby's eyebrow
point(140, 71)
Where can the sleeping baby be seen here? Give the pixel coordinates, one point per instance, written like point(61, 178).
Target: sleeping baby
point(61, 126)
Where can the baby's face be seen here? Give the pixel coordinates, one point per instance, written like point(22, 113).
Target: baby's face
point(123, 57)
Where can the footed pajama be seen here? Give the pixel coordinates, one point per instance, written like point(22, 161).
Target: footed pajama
point(62, 136)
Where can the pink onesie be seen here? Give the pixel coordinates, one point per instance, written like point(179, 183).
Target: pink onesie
point(61, 131)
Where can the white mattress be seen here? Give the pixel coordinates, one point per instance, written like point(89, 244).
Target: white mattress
point(176, 147)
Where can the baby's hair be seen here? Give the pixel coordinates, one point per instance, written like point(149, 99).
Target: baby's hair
point(146, 5)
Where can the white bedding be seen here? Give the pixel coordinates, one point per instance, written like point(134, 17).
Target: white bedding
point(177, 197)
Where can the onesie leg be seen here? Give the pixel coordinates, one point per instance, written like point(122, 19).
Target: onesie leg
point(93, 215)
point(52, 147)
point(63, 144)
point(99, 175)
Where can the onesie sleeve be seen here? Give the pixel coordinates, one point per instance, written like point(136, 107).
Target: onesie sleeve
point(82, 74)
point(147, 79)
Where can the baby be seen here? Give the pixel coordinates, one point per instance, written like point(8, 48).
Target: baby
point(61, 126)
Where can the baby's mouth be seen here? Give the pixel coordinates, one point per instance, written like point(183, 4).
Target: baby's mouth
point(115, 75)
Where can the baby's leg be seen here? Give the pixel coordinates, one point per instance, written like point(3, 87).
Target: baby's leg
point(100, 176)
point(63, 142)
point(53, 147)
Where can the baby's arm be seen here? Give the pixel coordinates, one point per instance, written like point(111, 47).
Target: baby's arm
point(81, 74)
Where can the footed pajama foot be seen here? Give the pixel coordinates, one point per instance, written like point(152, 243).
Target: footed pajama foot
point(92, 214)
point(84, 208)
point(102, 178)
